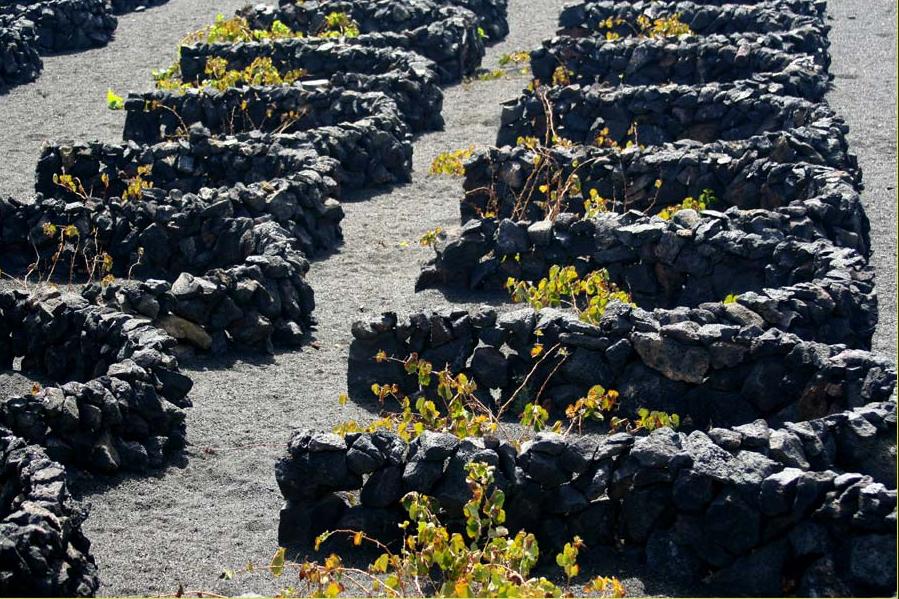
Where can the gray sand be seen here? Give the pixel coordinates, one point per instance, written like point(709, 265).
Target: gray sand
point(219, 509)
point(863, 45)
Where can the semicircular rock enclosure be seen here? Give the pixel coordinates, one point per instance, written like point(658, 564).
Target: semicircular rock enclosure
point(674, 365)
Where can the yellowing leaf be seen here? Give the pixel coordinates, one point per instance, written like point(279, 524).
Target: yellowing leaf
point(277, 565)
point(380, 564)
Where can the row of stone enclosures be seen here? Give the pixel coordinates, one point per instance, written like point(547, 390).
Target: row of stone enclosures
point(771, 486)
point(202, 232)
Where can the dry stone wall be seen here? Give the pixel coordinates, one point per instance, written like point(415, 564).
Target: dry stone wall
point(66, 25)
point(120, 399)
point(44, 552)
point(409, 79)
point(782, 173)
point(752, 318)
point(744, 507)
point(686, 60)
point(202, 229)
point(20, 61)
point(717, 364)
point(446, 34)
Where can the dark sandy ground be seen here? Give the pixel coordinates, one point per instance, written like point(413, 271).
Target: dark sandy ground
point(219, 508)
point(863, 45)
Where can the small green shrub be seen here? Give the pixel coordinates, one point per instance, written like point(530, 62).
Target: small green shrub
point(433, 561)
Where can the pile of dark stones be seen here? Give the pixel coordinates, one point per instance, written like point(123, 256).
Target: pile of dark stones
point(30, 28)
point(371, 147)
point(784, 173)
point(409, 79)
point(43, 550)
point(752, 316)
point(195, 234)
point(685, 60)
point(65, 25)
point(747, 507)
point(120, 397)
point(653, 115)
point(585, 19)
point(439, 30)
point(715, 364)
point(20, 60)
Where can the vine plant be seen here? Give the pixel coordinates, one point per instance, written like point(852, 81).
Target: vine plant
point(485, 560)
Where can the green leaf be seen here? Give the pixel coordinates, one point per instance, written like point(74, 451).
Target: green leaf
point(277, 565)
point(380, 564)
point(114, 101)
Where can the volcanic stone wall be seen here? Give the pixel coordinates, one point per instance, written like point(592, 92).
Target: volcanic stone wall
point(689, 60)
point(719, 364)
point(66, 25)
point(781, 173)
point(810, 288)
point(653, 115)
point(491, 16)
point(19, 58)
point(120, 404)
point(32, 27)
point(407, 78)
point(446, 34)
point(208, 222)
point(754, 316)
point(209, 233)
point(44, 552)
point(250, 283)
point(703, 18)
point(356, 154)
point(157, 115)
point(747, 507)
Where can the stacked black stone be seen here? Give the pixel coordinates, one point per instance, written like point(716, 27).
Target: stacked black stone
point(652, 115)
point(780, 173)
point(745, 507)
point(373, 148)
point(491, 15)
point(66, 25)
point(445, 33)
point(44, 552)
point(409, 79)
point(120, 404)
point(704, 18)
point(716, 363)
point(20, 61)
point(792, 419)
point(685, 60)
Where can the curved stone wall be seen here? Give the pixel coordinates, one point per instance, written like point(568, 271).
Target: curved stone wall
point(120, 402)
point(653, 115)
point(780, 172)
point(157, 115)
point(739, 509)
point(718, 364)
point(448, 35)
point(355, 154)
point(44, 553)
point(703, 18)
point(66, 25)
point(19, 58)
point(810, 288)
point(407, 78)
point(690, 60)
